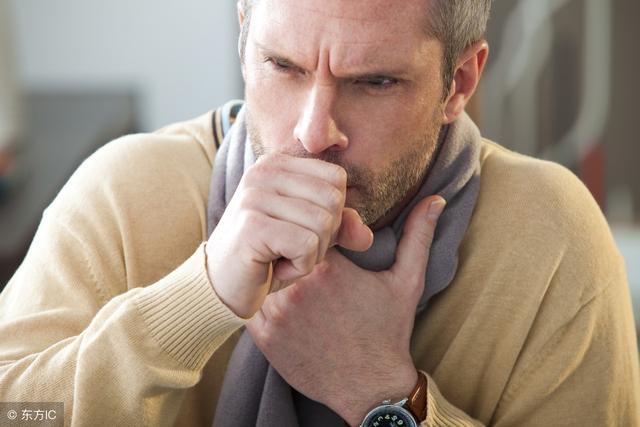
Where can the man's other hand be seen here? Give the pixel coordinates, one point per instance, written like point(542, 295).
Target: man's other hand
point(341, 334)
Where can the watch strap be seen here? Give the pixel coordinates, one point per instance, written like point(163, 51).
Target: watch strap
point(417, 401)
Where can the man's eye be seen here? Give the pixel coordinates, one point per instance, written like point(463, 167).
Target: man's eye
point(279, 65)
point(379, 83)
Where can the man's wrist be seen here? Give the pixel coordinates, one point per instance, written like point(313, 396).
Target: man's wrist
point(396, 386)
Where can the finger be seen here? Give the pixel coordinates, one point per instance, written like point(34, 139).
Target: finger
point(285, 273)
point(299, 186)
point(274, 239)
point(279, 284)
point(412, 254)
point(325, 171)
point(353, 233)
point(296, 211)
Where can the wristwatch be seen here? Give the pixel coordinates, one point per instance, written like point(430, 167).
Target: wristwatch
point(409, 412)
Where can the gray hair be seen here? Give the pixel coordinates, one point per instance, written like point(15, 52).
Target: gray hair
point(457, 24)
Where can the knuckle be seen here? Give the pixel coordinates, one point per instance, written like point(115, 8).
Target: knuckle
point(335, 199)
point(310, 262)
point(255, 169)
point(248, 198)
point(324, 220)
point(310, 242)
point(266, 165)
point(310, 247)
point(340, 175)
point(250, 221)
point(277, 314)
point(251, 177)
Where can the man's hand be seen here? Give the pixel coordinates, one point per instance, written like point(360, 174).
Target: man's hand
point(285, 209)
point(341, 334)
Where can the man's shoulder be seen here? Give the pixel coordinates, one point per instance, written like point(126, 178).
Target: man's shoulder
point(539, 177)
point(143, 186)
point(146, 169)
point(533, 187)
point(180, 141)
point(542, 216)
point(541, 254)
point(143, 162)
point(147, 190)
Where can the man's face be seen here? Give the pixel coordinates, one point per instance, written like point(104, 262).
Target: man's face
point(356, 83)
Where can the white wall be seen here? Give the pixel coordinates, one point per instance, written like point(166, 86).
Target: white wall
point(180, 56)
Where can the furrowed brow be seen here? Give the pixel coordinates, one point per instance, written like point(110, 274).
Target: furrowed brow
point(360, 73)
point(271, 53)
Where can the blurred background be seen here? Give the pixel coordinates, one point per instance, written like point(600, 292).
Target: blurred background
point(561, 83)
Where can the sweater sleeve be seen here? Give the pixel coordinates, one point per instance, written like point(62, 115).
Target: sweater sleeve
point(585, 374)
point(441, 413)
point(81, 325)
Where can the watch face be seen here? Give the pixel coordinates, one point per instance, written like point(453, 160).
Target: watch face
point(389, 416)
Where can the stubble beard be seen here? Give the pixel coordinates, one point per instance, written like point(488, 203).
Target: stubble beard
point(378, 192)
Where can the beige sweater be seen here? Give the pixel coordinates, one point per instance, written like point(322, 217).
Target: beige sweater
point(112, 312)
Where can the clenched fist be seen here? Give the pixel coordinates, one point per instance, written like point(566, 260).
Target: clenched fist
point(285, 214)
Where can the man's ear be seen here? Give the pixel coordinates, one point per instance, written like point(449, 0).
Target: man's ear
point(241, 22)
point(240, 12)
point(465, 79)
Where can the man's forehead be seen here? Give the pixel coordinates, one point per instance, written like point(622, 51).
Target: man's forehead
point(351, 9)
point(407, 14)
point(359, 33)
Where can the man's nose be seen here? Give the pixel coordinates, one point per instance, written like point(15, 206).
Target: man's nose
point(317, 129)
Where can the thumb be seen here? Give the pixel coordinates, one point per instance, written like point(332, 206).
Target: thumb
point(413, 250)
point(353, 234)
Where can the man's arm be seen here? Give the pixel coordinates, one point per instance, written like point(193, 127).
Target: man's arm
point(75, 328)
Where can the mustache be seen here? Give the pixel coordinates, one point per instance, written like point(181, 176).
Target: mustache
point(356, 175)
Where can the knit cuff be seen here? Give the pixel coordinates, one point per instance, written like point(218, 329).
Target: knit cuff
point(185, 315)
point(441, 413)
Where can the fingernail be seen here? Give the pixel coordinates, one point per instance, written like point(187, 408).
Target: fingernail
point(436, 207)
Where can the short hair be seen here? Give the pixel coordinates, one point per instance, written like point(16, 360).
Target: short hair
point(457, 24)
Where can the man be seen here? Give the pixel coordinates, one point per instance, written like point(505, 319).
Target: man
point(314, 225)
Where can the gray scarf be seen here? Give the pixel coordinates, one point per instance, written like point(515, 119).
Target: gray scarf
point(253, 393)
